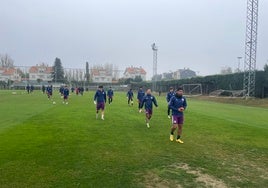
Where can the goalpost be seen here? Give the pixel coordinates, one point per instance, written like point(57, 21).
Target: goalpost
point(192, 89)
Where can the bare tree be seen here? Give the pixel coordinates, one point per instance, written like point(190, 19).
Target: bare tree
point(6, 61)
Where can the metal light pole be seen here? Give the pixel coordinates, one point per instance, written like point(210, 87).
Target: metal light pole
point(154, 48)
point(251, 48)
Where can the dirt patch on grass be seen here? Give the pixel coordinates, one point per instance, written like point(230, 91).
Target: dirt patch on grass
point(152, 180)
point(179, 175)
point(208, 180)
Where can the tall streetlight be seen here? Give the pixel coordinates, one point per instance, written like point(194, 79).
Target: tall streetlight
point(154, 48)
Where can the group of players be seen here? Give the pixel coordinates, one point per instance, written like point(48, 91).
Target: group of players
point(175, 99)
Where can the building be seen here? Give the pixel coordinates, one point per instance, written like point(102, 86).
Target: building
point(41, 72)
point(100, 75)
point(183, 74)
point(13, 74)
point(133, 72)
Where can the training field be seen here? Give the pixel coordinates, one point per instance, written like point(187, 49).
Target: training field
point(46, 145)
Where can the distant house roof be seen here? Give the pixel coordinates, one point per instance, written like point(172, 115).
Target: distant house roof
point(8, 71)
point(135, 70)
point(46, 69)
point(100, 72)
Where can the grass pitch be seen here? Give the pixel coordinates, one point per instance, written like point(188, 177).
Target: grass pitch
point(46, 145)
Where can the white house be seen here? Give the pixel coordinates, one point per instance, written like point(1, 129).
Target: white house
point(42, 72)
point(133, 72)
point(13, 74)
point(101, 76)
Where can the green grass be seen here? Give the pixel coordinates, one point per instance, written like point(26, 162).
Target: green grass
point(46, 145)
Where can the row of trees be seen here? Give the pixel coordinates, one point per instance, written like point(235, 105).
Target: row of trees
point(215, 82)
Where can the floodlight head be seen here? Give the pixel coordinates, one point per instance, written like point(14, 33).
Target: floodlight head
point(154, 47)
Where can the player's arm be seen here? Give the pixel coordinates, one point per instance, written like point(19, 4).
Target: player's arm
point(184, 104)
point(155, 102)
point(142, 102)
point(104, 97)
point(172, 105)
point(167, 98)
point(95, 97)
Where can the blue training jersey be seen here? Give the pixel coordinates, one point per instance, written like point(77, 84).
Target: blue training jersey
point(148, 101)
point(65, 91)
point(100, 96)
point(140, 95)
point(130, 94)
point(175, 103)
point(169, 96)
point(110, 93)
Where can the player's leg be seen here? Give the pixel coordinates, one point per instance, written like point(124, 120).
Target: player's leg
point(148, 117)
point(180, 124)
point(97, 110)
point(173, 127)
point(139, 106)
point(102, 110)
point(168, 112)
point(66, 100)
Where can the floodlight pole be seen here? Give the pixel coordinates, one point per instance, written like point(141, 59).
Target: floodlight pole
point(250, 48)
point(154, 48)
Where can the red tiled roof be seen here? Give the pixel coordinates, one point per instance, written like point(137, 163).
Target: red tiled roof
point(96, 72)
point(47, 69)
point(9, 71)
point(135, 70)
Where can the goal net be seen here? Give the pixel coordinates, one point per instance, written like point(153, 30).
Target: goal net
point(192, 89)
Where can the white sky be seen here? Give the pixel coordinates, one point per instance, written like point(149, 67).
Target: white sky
point(203, 35)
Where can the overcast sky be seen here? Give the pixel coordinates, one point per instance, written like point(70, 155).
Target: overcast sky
point(203, 35)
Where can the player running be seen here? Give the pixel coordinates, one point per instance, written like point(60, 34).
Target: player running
point(148, 101)
point(130, 96)
point(170, 94)
point(110, 94)
point(49, 92)
point(100, 100)
point(177, 104)
point(140, 96)
point(65, 93)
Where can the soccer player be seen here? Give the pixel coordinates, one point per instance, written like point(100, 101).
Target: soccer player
point(28, 89)
point(148, 101)
point(49, 92)
point(130, 96)
point(140, 96)
point(43, 89)
point(100, 100)
point(65, 93)
point(170, 94)
point(177, 104)
point(110, 94)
